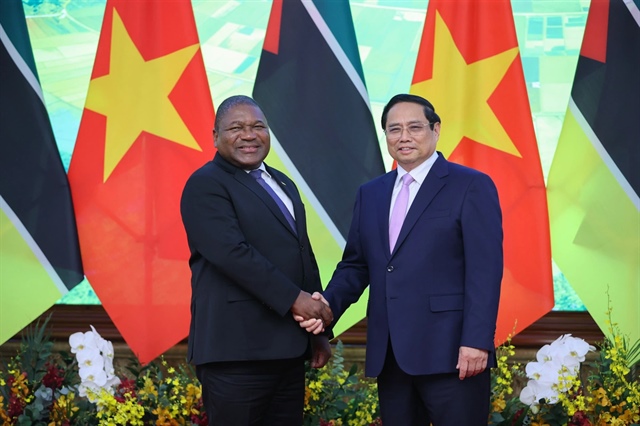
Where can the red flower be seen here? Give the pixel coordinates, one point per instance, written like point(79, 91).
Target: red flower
point(579, 419)
point(126, 387)
point(517, 415)
point(54, 377)
point(199, 419)
point(16, 406)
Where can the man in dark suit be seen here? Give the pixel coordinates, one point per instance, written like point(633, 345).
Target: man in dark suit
point(434, 292)
point(252, 269)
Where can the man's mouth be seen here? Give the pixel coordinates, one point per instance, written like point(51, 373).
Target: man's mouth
point(249, 149)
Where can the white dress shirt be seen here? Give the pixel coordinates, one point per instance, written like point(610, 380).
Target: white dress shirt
point(419, 174)
point(271, 181)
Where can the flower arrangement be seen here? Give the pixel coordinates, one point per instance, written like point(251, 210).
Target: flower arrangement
point(83, 387)
point(38, 387)
point(558, 393)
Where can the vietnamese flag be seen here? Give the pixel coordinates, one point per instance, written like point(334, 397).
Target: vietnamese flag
point(146, 126)
point(469, 67)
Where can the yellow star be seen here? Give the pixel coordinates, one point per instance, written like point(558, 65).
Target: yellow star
point(460, 91)
point(134, 96)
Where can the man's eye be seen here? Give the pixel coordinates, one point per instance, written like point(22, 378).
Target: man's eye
point(395, 130)
point(235, 129)
point(259, 127)
point(415, 128)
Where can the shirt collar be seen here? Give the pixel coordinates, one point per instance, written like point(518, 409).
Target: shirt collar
point(419, 174)
point(263, 168)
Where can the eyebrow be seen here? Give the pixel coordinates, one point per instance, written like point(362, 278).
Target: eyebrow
point(408, 122)
point(242, 123)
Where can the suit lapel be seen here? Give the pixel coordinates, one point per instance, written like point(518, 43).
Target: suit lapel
point(293, 195)
point(432, 184)
point(245, 179)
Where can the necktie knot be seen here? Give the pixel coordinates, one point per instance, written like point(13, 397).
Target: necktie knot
point(256, 174)
point(407, 179)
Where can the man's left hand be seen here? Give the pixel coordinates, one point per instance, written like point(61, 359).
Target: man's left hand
point(471, 361)
point(320, 351)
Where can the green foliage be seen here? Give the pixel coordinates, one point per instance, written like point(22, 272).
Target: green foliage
point(36, 349)
point(336, 396)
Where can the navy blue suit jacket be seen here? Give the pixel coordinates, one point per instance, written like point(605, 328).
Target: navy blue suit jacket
point(440, 288)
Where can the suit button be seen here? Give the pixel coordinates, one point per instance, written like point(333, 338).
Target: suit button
point(301, 247)
point(390, 268)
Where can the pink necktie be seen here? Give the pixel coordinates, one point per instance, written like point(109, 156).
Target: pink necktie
point(399, 211)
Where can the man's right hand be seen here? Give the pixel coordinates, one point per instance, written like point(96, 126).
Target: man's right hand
point(313, 325)
point(307, 307)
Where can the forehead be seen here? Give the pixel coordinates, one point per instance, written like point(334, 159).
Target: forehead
point(405, 112)
point(244, 113)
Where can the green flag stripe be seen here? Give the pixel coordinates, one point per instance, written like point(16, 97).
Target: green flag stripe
point(340, 54)
point(604, 155)
point(15, 31)
point(35, 248)
point(341, 25)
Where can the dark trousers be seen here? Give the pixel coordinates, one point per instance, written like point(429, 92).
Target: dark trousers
point(256, 393)
point(438, 399)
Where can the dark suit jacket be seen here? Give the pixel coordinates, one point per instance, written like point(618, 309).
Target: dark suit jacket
point(439, 289)
point(247, 266)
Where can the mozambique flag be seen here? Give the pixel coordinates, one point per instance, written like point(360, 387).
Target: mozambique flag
point(469, 67)
point(39, 253)
point(311, 87)
point(146, 126)
point(594, 180)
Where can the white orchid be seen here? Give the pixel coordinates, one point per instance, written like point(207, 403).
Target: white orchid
point(95, 363)
point(535, 391)
point(551, 374)
point(94, 375)
point(80, 341)
point(90, 357)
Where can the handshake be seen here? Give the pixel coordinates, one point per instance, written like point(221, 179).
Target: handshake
point(312, 311)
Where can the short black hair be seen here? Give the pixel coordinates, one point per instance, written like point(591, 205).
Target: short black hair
point(229, 103)
point(429, 110)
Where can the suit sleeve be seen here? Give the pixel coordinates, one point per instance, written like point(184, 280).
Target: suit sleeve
point(351, 276)
point(214, 232)
point(482, 239)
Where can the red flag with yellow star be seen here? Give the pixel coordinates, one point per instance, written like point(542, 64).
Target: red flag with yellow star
point(469, 67)
point(146, 126)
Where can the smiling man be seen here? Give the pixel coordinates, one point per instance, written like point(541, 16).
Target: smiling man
point(252, 270)
point(427, 239)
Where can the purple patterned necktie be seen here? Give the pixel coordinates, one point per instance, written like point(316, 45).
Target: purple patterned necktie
point(399, 211)
point(257, 175)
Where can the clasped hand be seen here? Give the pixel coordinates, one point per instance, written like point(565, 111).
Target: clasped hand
point(312, 312)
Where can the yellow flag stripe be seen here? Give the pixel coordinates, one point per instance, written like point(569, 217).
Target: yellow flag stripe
point(594, 229)
point(28, 282)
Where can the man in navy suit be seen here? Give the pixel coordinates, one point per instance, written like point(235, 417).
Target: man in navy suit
point(252, 270)
point(434, 292)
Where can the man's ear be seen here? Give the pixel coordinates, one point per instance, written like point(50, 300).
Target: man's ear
point(215, 138)
point(436, 129)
